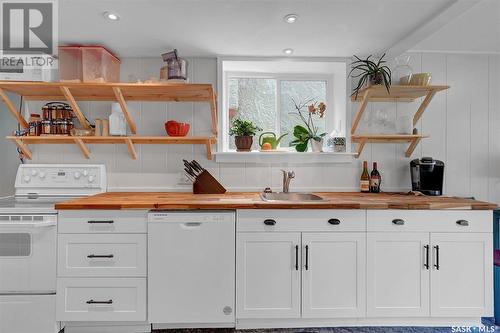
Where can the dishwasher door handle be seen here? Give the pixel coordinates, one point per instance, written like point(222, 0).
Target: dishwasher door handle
point(191, 225)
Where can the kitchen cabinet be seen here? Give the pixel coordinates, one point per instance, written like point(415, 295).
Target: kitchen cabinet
point(333, 281)
point(397, 278)
point(462, 275)
point(268, 275)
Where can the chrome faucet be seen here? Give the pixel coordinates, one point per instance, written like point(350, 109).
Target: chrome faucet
point(287, 177)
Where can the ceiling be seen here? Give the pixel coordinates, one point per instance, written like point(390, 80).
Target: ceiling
point(326, 28)
point(475, 31)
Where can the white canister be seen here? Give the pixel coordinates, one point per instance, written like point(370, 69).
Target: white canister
point(117, 124)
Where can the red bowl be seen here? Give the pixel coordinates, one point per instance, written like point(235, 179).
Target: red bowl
point(175, 128)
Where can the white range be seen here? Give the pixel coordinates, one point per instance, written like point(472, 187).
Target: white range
point(28, 242)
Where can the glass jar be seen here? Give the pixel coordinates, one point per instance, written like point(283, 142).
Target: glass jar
point(46, 112)
point(46, 127)
point(177, 69)
point(402, 72)
point(35, 124)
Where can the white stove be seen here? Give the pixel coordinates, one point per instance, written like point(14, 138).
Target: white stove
point(28, 238)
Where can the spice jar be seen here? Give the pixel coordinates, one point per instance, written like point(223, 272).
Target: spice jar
point(46, 126)
point(35, 125)
point(46, 112)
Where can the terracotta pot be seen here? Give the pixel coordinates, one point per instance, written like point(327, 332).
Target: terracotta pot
point(243, 143)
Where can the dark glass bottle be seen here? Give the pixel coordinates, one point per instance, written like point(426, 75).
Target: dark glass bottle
point(375, 179)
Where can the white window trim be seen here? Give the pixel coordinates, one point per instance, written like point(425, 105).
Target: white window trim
point(226, 156)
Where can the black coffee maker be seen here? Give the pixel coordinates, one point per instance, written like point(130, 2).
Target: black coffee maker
point(427, 175)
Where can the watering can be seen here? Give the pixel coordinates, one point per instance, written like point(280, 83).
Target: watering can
point(270, 137)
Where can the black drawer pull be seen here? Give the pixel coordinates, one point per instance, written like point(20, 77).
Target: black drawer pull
point(296, 257)
point(334, 221)
point(101, 222)
point(437, 257)
point(463, 223)
point(269, 222)
point(398, 222)
point(307, 258)
point(426, 265)
point(99, 302)
point(92, 256)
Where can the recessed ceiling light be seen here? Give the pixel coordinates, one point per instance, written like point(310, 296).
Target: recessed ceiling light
point(111, 16)
point(291, 18)
point(288, 51)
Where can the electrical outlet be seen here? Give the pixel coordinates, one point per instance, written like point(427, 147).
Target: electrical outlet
point(183, 179)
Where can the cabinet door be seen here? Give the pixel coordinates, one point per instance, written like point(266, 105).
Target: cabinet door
point(397, 278)
point(333, 282)
point(463, 284)
point(267, 278)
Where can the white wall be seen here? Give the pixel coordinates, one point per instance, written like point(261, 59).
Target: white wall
point(463, 124)
point(8, 153)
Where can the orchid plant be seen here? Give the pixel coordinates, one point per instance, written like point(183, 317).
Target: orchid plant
point(307, 111)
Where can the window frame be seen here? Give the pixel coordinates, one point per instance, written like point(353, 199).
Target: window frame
point(279, 77)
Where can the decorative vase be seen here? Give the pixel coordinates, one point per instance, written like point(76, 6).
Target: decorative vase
point(403, 71)
point(316, 146)
point(243, 143)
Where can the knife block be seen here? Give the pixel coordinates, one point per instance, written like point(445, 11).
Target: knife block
point(205, 183)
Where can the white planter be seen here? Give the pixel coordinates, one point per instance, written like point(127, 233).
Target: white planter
point(316, 146)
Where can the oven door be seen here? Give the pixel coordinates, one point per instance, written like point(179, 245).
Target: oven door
point(28, 254)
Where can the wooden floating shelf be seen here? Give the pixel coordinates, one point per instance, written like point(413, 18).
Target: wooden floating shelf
point(117, 92)
point(398, 93)
point(413, 139)
point(82, 141)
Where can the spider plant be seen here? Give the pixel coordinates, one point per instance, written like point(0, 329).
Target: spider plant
point(370, 71)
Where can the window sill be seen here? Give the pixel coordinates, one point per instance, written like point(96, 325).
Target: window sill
point(283, 157)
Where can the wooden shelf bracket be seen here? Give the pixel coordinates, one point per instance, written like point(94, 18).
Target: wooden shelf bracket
point(361, 110)
point(123, 106)
point(12, 109)
point(23, 147)
point(414, 143)
point(428, 98)
point(213, 113)
point(83, 148)
point(131, 148)
point(76, 109)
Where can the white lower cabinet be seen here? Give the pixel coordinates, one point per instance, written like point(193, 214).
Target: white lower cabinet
point(397, 278)
point(333, 283)
point(462, 275)
point(268, 275)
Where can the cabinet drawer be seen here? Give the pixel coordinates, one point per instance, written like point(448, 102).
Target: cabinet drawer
point(430, 220)
point(101, 299)
point(84, 255)
point(300, 220)
point(102, 221)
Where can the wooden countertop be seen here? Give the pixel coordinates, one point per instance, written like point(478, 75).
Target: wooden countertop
point(251, 200)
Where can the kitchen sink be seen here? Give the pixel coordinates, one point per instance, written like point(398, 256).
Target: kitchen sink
point(290, 196)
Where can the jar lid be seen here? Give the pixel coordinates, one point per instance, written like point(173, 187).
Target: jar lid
point(35, 115)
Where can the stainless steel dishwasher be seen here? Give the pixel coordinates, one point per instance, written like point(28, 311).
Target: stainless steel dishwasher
point(191, 268)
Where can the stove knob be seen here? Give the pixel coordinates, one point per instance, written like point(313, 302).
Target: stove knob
point(41, 174)
point(27, 179)
point(33, 173)
point(85, 173)
point(77, 175)
point(91, 179)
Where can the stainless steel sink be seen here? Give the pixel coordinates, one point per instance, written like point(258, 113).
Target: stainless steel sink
point(290, 196)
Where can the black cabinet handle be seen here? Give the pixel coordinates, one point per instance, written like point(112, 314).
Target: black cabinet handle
point(398, 221)
point(307, 258)
point(92, 256)
point(99, 302)
point(463, 223)
point(426, 264)
point(269, 222)
point(437, 257)
point(296, 257)
point(334, 221)
point(101, 222)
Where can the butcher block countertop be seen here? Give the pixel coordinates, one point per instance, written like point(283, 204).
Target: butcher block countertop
point(252, 200)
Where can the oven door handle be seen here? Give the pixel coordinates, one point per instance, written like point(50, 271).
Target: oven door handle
point(29, 225)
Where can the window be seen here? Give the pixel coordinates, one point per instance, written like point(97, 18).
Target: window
point(264, 93)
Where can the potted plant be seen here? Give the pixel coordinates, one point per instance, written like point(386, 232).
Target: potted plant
point(370, 72)
point(309, 132)
point(243, 131)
